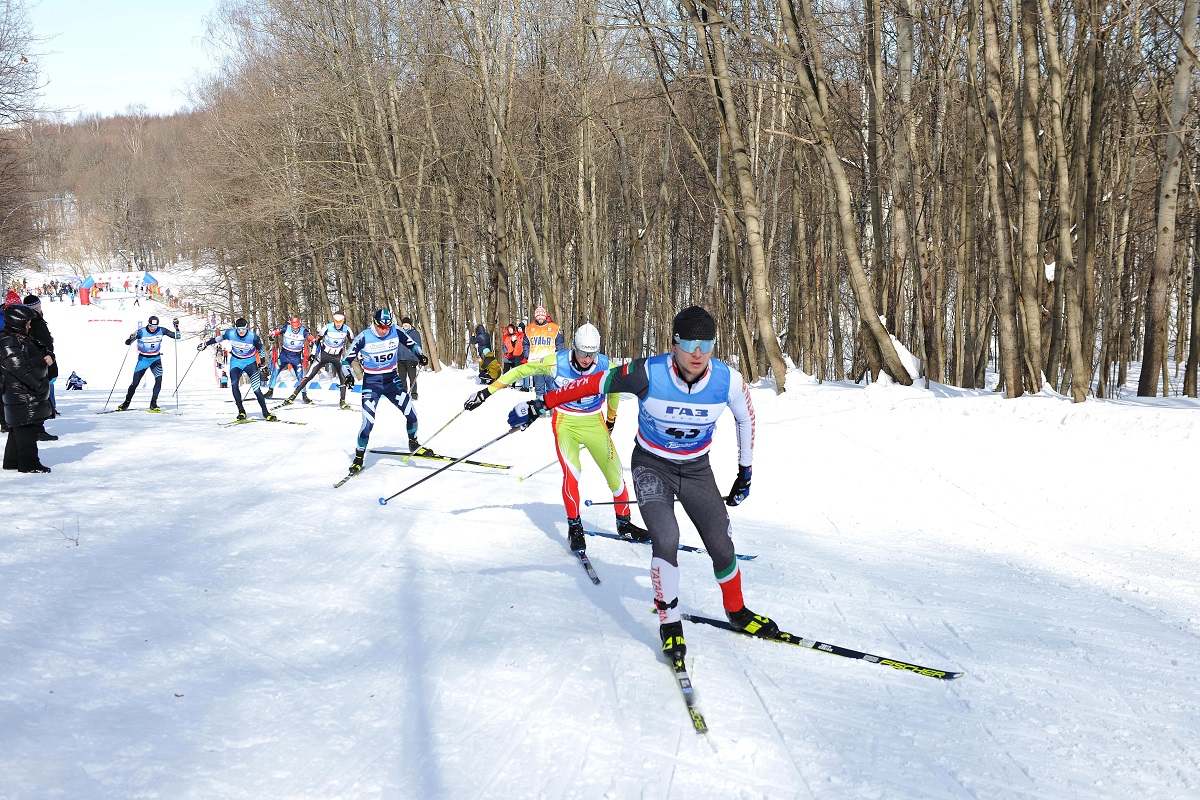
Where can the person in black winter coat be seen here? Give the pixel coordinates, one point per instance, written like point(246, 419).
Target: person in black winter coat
point(40, 331)
point(26, 390)
point(482, 339)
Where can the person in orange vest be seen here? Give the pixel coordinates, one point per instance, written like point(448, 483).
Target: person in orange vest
point(516, 351)
point(545, 338)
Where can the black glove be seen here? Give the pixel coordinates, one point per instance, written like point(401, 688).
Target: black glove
point(610, 424)
point(422, 359)
point(741, 487)
point(130, 339)
point(264, 373)
point(348, 381)
point(201, 346)
point(176, 323)
point(476, 400)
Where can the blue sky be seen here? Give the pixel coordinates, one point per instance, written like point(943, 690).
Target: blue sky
point(100, 56)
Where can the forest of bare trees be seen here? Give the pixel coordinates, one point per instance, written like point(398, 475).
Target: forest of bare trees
point(1005, 185)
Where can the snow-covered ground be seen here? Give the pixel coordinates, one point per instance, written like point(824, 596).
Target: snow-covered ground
point(192, 611)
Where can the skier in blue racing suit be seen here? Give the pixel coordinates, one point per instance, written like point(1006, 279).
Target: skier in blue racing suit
point(149, 345)
point(378, 349)
point(246, 356)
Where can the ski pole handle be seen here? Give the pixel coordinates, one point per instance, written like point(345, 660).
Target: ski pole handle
point(608, 502)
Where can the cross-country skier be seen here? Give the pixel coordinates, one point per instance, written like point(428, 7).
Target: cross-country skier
point(332, 341)
point(149, 345)
point(293, 352)
point(681, 393)
point(582, 423)
point(246, 355)
point(378, 349)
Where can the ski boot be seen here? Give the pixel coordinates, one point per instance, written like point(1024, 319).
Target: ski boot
point(413, 444)
point(241, 417)
point(154, 406)
point(344, 405)
point(673, 646)
point(304, 396)
point(123, 407)
point(357, 464)
point(747, 621)
point(291, 399)
point(269, 417)
point(630, 532)
point(269, 393)
point(575, 534)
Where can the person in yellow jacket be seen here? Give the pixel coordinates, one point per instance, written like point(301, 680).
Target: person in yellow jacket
point(584, 423)
point(489, 367)
point(545, 338)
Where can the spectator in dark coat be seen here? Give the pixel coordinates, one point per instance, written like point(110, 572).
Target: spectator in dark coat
point(407, 366)
point(40, 332)
point(26, 390)
point(481, 339)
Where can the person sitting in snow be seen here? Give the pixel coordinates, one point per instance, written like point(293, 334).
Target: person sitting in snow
point(489, 367)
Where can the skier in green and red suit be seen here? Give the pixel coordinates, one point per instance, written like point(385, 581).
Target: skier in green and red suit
point(578, 424)
point(681, 395)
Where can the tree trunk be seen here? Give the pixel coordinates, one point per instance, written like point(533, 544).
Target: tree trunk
point(1168, 199)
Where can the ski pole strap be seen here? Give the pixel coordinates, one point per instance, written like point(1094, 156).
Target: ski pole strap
point(608, 502)
point(383, 501)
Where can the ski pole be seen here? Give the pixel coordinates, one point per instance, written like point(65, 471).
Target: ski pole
point(536, 471)
point(185, 374)
point(447, 425)
point(608, 502)
point(114, 386)
point(177, 367)
point(383, 501)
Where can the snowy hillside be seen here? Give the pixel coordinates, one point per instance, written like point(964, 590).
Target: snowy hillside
point(192, 611)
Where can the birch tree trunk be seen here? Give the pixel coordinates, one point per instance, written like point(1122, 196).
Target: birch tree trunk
point(1168, 200)
point(747, 189)
point(1006, 312)
point(881, 355)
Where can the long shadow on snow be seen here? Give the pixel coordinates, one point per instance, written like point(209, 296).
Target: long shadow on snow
point(548, 518)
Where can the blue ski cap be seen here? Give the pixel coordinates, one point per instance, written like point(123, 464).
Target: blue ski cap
point(383, 318)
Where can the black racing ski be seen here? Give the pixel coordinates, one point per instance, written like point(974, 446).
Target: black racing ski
point(685, 547)
point(425, 452)
point(679, 670)
point(587, 565)
point(832, 649)
point(343, 481)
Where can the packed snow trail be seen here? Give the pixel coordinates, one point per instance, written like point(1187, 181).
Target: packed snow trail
point(188, 610)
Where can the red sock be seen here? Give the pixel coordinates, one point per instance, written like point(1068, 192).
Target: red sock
point(731, 588)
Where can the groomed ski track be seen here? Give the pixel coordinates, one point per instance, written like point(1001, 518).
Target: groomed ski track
point(192, 611)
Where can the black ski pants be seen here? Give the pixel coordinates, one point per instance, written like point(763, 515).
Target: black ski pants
point(658, 481)
point(408, 376)
point(21, 450)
